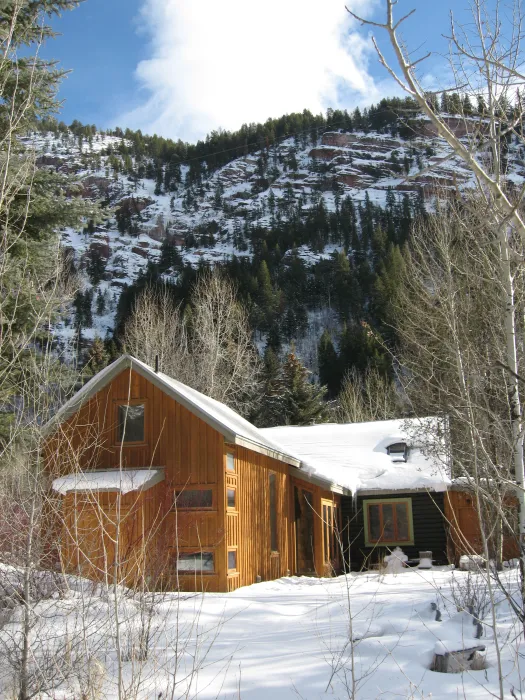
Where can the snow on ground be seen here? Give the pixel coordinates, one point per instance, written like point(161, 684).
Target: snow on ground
point(289, 639)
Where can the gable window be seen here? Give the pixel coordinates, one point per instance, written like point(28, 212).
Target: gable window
point(388, 521)
point(398, 451)
point(130, 426)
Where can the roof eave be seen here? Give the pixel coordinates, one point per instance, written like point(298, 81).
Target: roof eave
point(267, 451)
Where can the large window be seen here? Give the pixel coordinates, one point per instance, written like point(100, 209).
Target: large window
point(274, 544)
point(388, 521)
point(201, 499)
point(195, 561)
point(130, 426)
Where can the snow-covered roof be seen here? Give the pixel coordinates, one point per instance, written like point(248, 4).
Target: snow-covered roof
point(354, 455)
point(121, 480)
point(230, 424)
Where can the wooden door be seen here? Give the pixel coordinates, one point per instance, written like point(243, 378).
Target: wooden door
point(304, 530)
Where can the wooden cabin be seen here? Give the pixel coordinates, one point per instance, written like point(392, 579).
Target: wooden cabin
point(158, 483)
point(393, 492)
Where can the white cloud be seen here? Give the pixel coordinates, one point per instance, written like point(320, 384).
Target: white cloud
point(221, 63)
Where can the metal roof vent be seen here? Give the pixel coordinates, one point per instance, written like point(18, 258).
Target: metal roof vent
point(398, 451)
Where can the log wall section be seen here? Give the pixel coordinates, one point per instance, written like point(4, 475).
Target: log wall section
point(428, 522)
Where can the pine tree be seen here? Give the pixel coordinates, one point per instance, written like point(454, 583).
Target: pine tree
point(98, 357)
point(304, 402)
point(328, 362)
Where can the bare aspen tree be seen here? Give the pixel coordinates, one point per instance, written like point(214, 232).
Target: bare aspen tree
point(208, 347)
point(486, 59)
point(367, 396)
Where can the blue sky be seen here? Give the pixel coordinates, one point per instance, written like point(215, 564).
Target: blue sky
point(184, 67)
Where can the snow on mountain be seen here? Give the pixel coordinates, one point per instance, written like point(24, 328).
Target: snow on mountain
point(204, 220)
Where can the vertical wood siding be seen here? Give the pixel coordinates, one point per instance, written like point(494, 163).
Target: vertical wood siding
point(464, 528)
point(191, 452)
point(254, 554)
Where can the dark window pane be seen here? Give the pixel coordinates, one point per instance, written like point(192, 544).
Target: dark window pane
point(194, 498)
point(388, 522)
point(274, 545)
point(195, 561)
point(231, 498)
point(232, 559)
point(403, 531)
point(230, 462)
point(374, 523)
point(131, 423)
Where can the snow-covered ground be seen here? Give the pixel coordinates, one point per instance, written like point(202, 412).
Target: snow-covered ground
point(290, 639)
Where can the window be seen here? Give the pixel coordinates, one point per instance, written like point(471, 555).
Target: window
point(195, 561)
point(231, 498)
point(230, 462)
point(130, 423)
point(329, 532)
point(388, 521)
point(274, 545)
point(398, 451)
point(194, 498)
point(232, 560)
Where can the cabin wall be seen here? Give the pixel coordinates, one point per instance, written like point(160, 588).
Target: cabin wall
point(428, 525)
point(464, 528)
point(193, 456)
point(253, 533)
point(89, 535)
point(191, 452)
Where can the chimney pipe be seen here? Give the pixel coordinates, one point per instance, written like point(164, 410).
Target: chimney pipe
point(156, 364)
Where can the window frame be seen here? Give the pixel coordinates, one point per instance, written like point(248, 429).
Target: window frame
point(232, 509)
point(236, 551)
point(387, 501)
point(195, 487)
point(194, 572)
point(117, 403)
point(229, 453)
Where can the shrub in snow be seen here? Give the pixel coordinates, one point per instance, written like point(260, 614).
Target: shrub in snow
point(395, 561)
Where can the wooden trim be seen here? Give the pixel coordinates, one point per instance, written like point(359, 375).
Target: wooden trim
point(386, 501)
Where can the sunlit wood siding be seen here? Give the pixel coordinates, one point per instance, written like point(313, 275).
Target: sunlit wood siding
point(191, 452)
point(255, 556)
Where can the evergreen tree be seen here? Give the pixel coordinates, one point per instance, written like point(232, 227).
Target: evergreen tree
point(328, 364)
point(34, 204)
point(303, 401)
point(98, 357)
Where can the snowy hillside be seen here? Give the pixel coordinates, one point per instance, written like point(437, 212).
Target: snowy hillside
point(209, 219)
